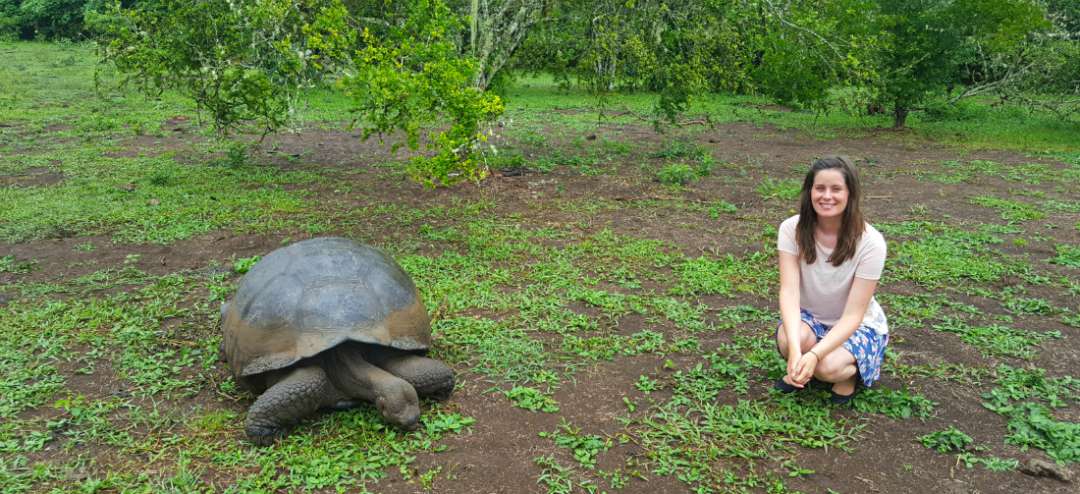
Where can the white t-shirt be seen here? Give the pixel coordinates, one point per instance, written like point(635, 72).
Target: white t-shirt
point(824, 288)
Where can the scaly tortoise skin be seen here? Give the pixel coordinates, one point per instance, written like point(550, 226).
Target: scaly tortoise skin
point(329, 322)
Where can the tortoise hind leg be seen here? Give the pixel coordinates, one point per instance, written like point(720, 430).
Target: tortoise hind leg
point(299, 394)
point(431, 378)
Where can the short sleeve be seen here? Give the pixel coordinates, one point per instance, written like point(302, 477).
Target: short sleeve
point(785, 237)
point(871, 255)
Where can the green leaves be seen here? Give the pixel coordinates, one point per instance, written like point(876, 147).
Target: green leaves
point(247, 61)
point(947, 441)
point(412, 80)
point(532, 399)
point(241, 61)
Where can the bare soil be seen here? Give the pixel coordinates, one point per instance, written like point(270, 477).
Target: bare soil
point(497, 455)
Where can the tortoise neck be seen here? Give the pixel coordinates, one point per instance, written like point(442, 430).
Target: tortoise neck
point(348, 370)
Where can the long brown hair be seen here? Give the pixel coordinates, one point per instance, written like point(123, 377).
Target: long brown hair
point(851, 223)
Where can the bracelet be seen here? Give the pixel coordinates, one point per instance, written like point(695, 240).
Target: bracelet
point(815, 354)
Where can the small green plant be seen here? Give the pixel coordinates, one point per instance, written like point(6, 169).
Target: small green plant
point(554, 477)
point(427, 479)
point(8, 264)
point(241, 266)
point(676, 174)
point(785, 189)
point(679, 149)
point(646, 385)
point(992, 463)
point(951, 440)
point(721, 207)
point(1067, 255)
point(235, 156)
point(585, 447)
point(531, 399)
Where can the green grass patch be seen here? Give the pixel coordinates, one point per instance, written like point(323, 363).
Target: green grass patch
point(1011, 211)
point(895, 403)
point(726, 276)
point(531, 399)
point(1026, 398)
point(942, 256)
point(997, 339)
point(1067, 255)
point(784, 189)
point(584, 447)
point(151, 200)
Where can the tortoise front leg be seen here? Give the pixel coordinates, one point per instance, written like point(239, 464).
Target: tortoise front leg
point(299, 394)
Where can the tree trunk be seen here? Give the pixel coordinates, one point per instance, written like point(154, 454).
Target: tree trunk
point(498, 28)
point(900, 114)
point(474, 17)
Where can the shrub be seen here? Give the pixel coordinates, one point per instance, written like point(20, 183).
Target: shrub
point(676, 174)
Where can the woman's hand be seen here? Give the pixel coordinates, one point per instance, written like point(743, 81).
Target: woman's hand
point(794, 356)
point(804, 369)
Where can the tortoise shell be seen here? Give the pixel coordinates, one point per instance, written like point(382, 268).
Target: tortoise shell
point(313, 295)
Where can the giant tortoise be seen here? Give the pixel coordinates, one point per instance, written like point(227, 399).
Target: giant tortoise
point(326, 323)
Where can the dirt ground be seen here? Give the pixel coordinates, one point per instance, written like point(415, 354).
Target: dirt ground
point(496, 456)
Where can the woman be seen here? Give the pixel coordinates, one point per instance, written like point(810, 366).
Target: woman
point(831, 328)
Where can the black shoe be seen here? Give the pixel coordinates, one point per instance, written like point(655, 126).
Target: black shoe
point(782, 386)
point(839, 399)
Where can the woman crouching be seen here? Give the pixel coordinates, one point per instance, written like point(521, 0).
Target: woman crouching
point(831, 328)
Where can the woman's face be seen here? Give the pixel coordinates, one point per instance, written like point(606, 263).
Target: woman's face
point(829, 194)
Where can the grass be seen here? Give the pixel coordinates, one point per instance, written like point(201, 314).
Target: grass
point(108, 365)
point(1011, 211)
point(1026, 398)
point(944, 255)
point(997, 339)
point(150, 200)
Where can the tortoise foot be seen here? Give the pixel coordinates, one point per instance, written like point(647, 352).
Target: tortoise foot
point(264, 436)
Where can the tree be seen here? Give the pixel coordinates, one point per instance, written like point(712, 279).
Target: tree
point(928, 44)
point(795, 51)
point(246, 61)
point(46, 19)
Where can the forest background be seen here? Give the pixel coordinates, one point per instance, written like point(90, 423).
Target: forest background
point(437, 69)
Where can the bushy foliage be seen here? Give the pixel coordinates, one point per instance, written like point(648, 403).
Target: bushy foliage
point(796, 51)
point(246, 61)
point(44, 19)
point(934, 45)
point(240, 61)
point(435, 86)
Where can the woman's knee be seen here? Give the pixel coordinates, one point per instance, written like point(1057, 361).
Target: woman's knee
point(836, 366)
point(807, 340)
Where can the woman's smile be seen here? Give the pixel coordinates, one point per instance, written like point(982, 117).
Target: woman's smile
point(829, 194)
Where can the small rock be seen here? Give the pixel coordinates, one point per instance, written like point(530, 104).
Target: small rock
point(1040, 468)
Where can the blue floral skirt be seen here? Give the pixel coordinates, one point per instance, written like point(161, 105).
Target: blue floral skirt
point(866, 345)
